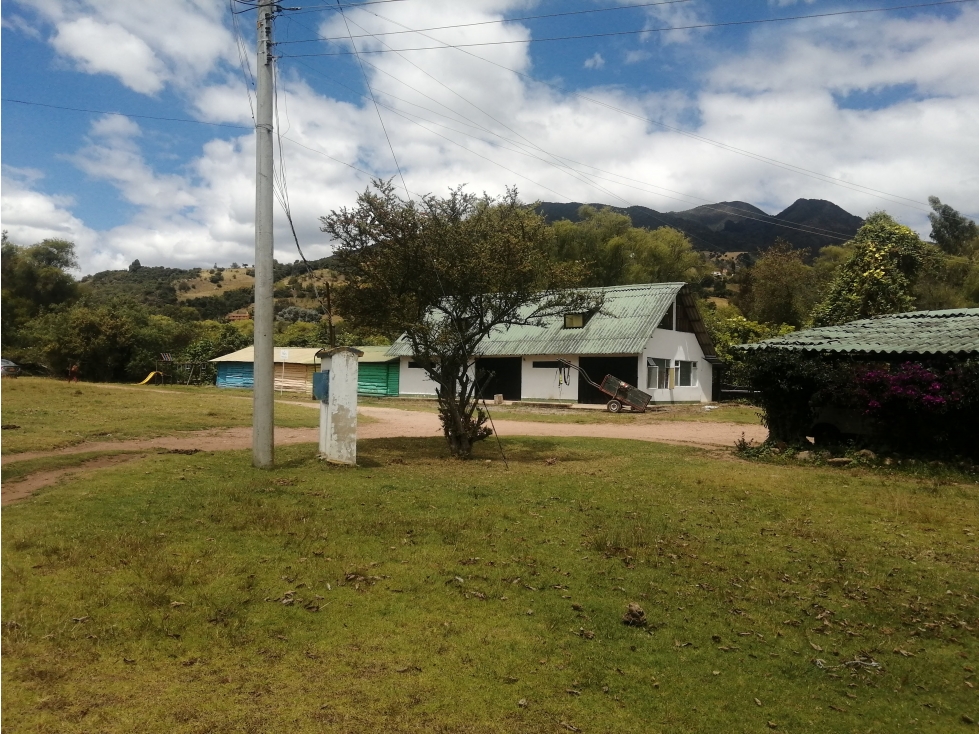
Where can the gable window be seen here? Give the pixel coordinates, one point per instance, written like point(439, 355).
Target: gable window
point(667, 322)
point(657, 374)
point(575, 320)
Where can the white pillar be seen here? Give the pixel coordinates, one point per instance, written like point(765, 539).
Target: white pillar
point(338, 413)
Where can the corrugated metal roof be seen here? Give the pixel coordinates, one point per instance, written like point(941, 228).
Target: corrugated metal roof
point(952, 331)
point(374, 355)
point(290, 355)
point(303, 355)
point(631, 313)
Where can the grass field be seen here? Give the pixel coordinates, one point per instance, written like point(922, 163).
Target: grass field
point(723, 413)
point(51, 413)
point(420, 594)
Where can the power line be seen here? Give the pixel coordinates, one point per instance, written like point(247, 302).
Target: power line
point(697, 26)
point(250, 5)
point(409, 117)
point(482, 111)
point(886, 196)
point(492, 22)
point(124, 114)
point(376, 108)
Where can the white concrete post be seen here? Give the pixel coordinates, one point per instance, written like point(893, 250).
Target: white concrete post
point(338, 413)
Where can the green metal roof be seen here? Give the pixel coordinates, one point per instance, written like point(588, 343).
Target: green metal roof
point(952, 331)
point(630, 314)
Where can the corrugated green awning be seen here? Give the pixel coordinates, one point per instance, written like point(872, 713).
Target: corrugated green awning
point(951, 331)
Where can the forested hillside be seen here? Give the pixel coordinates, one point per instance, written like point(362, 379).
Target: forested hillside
point(736, 226)
point(115, 323)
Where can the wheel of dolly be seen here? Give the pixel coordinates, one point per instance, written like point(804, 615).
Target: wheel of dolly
point(614, 406)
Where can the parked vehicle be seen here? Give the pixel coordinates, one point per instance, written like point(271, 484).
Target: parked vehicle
point(8, 368)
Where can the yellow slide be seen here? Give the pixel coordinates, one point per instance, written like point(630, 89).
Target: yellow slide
point(149, 377)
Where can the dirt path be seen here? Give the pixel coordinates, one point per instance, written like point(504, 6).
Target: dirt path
point(388, 423)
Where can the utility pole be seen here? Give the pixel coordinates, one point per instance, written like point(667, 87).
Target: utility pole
point(264, 395)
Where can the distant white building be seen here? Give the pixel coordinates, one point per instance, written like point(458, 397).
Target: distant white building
point(650, 335)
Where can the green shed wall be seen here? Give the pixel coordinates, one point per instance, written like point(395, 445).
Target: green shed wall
point(378, 379)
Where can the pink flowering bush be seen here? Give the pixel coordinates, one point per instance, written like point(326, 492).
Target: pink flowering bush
point(920, 409)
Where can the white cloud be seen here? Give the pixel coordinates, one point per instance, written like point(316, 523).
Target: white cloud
point(594, 62)
point(108, 48)
point(30, 216)
point(635, 56)
point(146, 45)
point(778, 97)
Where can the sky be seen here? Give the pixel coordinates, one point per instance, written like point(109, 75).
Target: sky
point(571, 100)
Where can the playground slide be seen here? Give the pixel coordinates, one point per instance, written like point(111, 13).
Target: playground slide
point(149, 377)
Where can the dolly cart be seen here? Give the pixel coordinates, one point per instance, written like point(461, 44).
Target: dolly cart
point(621, 393)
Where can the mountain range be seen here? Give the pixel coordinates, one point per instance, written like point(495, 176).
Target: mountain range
point(737, 226)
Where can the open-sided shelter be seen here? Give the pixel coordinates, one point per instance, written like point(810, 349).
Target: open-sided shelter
point(650, 335)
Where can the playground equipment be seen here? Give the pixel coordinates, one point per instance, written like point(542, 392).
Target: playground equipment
point(621, 392)
point(150, 376)
point(187, 372)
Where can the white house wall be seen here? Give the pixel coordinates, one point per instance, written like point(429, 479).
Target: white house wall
point(677, 345)
point(547, 383)
point(414, 380)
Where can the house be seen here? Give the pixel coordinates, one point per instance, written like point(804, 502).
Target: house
point(650, 335)
point(294, 368)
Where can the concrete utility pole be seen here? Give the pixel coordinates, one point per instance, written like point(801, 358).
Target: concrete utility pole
point(264, 396)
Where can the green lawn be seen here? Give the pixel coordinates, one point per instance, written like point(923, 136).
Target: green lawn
point(724, 412)
point(417, 594)
point(51, 413)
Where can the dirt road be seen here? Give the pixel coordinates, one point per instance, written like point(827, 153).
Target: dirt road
point(387, 423)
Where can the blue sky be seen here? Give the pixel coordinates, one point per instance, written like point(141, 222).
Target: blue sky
point(871, 111)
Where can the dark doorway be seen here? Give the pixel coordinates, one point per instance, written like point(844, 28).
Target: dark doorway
point(505, 378)
point(625, 368)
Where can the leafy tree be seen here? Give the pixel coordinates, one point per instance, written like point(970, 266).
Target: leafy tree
point(728, 328)
point(293, 314)
point(446, 272)
point(880, 275)
point(782, 287)
point(950, 230)
point(35, 279)
point(616, 253)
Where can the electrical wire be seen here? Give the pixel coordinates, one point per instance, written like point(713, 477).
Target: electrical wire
point(747, 214)
point(563, 167)
point(877, 193)
point(501, 20)
point(566, 169)
point(697, 26)
point(246, 70)
point(124, 114)
point(376, 108)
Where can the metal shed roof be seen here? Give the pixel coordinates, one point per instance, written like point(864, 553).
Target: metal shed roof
point(630, 315)
point(289, 355)
point(951, 331)
point(302, 355)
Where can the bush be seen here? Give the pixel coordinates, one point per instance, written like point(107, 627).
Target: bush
point(787, 382)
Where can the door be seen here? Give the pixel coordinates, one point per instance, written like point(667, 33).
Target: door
point(625, 368)
point(499, 375)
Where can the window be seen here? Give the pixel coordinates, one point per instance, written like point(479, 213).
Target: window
point(414, 366)
point(574, 320)
point(664, 374)
point(687, 376)
point(657, 374)
point(667, 322)
point(548, 365)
